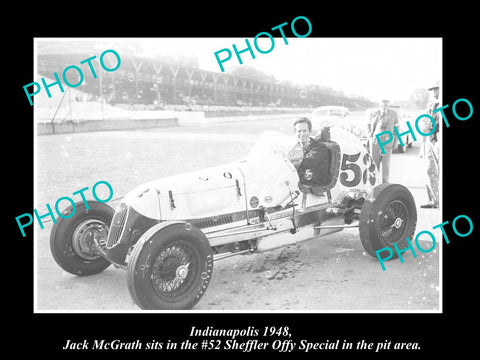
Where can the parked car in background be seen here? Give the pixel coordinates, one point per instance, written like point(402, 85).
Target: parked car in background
point(339, 116)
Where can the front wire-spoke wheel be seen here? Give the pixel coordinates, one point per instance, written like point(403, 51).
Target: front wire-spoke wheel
point(170, 267)
point(174, 270)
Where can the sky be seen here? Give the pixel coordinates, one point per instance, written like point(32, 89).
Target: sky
point(375, 68)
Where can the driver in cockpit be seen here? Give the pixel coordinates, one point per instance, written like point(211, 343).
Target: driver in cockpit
point(309, 156)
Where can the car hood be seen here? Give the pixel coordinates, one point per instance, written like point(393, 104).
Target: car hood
point(264, 174)
point(153, 198)
point(347, 123)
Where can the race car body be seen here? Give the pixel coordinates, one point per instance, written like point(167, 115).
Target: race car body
point(168, 232)
point(265, 179)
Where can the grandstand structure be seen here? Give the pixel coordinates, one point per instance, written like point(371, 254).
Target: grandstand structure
point(160, 84)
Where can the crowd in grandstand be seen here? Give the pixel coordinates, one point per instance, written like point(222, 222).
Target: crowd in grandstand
point(149, 84)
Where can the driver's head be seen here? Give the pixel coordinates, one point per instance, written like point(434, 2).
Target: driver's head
point(302, 128)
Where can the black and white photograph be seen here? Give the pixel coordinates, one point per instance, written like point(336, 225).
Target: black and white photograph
point(205, 174)
point(212, 181)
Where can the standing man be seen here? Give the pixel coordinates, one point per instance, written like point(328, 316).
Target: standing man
point(384, 119)
point(430, 149)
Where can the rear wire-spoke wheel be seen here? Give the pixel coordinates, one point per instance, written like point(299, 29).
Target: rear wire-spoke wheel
point(170, 267)
point(388, 218)
point(394, 222)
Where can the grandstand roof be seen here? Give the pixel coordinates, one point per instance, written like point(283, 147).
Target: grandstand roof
point(63, 47)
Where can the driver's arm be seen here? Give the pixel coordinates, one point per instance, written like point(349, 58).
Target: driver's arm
point(296, 155)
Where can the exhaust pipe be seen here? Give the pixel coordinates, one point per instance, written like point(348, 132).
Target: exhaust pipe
point(285, 238)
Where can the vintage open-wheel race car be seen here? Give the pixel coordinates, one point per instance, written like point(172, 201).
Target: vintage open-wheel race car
point(169, 232)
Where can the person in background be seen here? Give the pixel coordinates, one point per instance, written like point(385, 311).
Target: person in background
point(429, 150)
point(383, 119)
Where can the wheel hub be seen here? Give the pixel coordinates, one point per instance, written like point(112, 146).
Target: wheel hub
point(394, 222)
point(397, 223)
point(83, 243)
point(173, 271)
point(182, 272)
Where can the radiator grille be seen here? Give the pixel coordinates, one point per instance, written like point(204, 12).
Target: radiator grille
point(116, 228)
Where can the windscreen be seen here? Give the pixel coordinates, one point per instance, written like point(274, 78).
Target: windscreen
point(273, 142)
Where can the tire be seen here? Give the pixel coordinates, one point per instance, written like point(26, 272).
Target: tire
point(388, 217)
point(71, 240)
point(170, 267)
